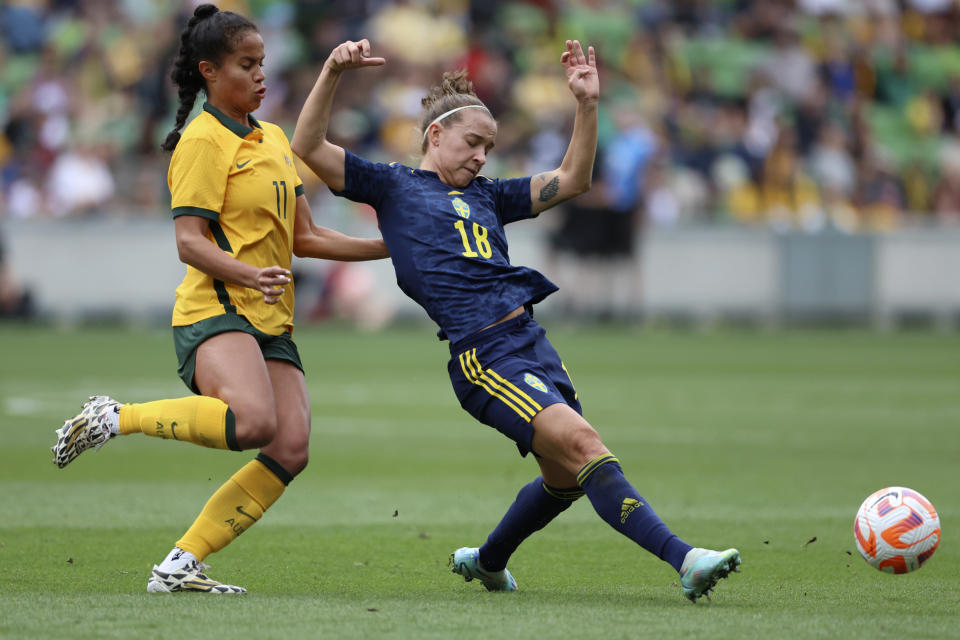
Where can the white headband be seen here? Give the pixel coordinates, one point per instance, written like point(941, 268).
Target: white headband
point(452, 111)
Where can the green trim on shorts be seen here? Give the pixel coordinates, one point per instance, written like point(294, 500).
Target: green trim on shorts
point(187, 338)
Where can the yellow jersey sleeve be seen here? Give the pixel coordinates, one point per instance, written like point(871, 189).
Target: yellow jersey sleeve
point(198, 178)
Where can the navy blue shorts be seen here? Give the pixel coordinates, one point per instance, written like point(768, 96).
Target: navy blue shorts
point(507, 374)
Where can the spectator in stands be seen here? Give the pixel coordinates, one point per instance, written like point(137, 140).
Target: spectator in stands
point(790, 67)
point(946, 197)
point(15, 300)
point(880, 197)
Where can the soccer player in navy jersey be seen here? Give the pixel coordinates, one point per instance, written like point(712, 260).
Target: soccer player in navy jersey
point(443, 225)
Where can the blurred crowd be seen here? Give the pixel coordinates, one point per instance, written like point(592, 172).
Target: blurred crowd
point(785, 114)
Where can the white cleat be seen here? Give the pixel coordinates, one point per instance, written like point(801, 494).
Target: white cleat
point(466, 562)
point(188, 578)
point(88, 429)
point(703, 568)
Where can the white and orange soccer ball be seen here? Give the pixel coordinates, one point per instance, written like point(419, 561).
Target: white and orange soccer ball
point(896, 530)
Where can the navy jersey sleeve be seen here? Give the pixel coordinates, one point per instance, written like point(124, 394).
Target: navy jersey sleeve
point(364, 181)
point(513, 200)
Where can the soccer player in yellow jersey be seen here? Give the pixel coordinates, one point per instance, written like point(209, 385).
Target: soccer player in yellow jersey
point(239, 213)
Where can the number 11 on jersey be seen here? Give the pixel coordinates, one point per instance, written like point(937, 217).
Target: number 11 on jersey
point(281, 213)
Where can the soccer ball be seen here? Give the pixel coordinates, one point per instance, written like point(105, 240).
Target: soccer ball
point(896, 530)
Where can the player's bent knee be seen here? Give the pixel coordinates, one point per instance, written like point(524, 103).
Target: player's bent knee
point(297, 463)
point(294, 456)
point(293, 459)
point(584, 444)
point(255, 430)
point(291, 449)
point(562, 435)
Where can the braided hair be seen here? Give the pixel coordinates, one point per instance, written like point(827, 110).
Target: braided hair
point(454, 90)
point(210, 34)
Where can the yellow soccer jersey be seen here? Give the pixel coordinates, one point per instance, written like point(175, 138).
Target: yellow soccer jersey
point(244, 181)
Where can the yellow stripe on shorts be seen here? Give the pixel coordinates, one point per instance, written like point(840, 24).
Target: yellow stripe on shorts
point(475, 373)
point(516, 390)
point(506, 388)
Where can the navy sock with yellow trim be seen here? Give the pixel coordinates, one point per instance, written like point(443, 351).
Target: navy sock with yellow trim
point(618, 503)
point(536, 505)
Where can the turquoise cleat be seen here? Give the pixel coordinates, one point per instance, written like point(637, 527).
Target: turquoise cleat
point(466, 562)
point(703, 568)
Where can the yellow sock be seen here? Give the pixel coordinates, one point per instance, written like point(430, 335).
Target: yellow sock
point(233, 509)
point(198, 419)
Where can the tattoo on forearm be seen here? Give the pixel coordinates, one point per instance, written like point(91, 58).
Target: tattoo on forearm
point(550, 190)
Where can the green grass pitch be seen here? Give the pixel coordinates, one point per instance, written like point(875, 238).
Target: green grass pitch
point(758, 440)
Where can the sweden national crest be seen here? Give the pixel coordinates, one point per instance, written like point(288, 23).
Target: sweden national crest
point(461, 207)
point(535, 382)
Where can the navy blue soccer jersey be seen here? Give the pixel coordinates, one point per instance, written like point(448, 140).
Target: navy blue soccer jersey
point(448, 246)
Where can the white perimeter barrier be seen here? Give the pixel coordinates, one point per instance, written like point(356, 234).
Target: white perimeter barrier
point(129, 270)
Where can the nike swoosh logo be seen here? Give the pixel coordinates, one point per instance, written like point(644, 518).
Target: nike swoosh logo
point(243, 164)
point(244, 513)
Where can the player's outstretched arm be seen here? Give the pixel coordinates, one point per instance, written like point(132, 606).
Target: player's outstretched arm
point(575, 172)
point(312, 241)
point(309, 140)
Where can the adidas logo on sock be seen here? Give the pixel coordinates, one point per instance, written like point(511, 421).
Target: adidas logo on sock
point(628, 506)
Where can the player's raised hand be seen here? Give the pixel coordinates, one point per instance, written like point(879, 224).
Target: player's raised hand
point(581, 70)
point(352, 55)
